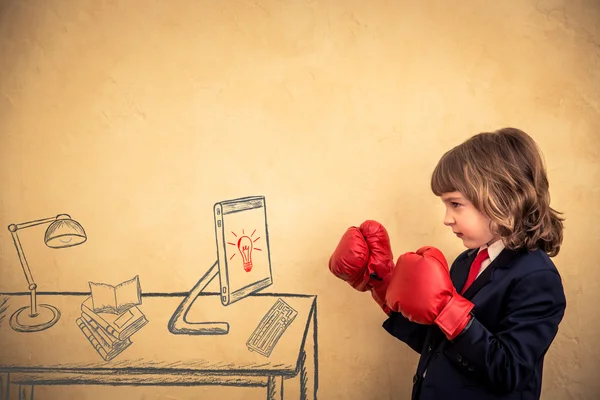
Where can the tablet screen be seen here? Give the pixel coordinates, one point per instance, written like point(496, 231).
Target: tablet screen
point(244, 246)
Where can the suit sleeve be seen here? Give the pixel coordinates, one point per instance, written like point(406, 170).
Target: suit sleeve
point(411, 333)
point(506, 360)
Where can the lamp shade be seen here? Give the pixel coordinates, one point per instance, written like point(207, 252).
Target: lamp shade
point(64, 232)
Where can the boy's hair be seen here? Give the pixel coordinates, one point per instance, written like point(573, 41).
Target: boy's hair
point(503, 174)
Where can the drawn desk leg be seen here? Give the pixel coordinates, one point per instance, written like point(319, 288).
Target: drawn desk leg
point(275, 388)
point(21, 392)
point(309, 365)
point(14, 391)
point(4, 385)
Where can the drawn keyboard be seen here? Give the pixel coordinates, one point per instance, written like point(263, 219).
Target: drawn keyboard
point(271, 328)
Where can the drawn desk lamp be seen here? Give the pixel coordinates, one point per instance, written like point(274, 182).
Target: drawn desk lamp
point(62, 232)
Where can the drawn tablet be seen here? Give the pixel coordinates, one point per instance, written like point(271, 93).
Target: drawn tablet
point(243, 247)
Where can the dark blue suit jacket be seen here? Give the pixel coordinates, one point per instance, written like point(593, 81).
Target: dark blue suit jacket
point(519, 303)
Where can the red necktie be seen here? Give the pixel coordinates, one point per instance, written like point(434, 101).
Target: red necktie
point(475, 267)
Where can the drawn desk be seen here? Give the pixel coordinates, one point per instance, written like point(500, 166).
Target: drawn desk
point(62, 355)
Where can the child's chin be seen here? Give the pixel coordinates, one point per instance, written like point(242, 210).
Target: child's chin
point(469, 244)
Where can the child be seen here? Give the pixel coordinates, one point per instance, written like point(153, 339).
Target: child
point(483, 328)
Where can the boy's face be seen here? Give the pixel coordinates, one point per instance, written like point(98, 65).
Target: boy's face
point(467, 223)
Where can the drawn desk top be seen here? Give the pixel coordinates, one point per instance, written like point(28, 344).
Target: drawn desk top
point(154, 348)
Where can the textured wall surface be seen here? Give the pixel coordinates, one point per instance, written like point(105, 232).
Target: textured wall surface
point(136, 116)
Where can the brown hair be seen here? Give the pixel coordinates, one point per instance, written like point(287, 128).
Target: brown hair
point(503, 174)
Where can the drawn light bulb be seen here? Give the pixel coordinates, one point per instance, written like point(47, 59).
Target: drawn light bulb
point(245, 247)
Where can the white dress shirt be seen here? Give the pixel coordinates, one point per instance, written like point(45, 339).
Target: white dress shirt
point(493, 250)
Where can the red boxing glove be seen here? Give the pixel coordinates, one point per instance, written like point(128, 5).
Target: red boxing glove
point(422, 291)
point(364, 259)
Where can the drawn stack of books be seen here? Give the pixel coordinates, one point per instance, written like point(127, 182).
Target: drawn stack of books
point(110, 316)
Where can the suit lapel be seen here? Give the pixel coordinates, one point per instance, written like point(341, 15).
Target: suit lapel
point(460, 270)
point(483, 279)
point(504, 260)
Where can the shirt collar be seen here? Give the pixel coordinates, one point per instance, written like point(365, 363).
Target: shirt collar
point(493, 249)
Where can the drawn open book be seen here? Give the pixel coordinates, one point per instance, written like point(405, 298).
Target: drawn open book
point(116, 299)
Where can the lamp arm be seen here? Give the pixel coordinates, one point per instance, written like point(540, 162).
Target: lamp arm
point(23, 260)
point(13, 228)
point(29, 224)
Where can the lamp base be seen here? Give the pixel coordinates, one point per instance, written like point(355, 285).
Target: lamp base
point(22, 321)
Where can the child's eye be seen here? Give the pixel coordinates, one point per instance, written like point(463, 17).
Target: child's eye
point(455, 205)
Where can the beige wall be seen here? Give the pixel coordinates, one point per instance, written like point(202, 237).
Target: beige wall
point(135, 117)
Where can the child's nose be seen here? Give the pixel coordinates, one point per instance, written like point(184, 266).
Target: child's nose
point(448, 219)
